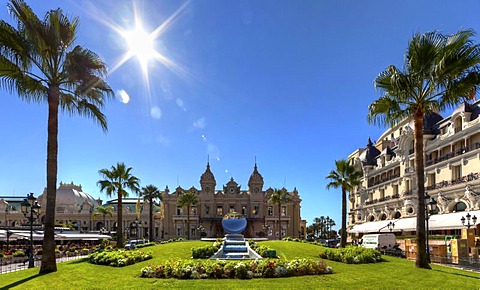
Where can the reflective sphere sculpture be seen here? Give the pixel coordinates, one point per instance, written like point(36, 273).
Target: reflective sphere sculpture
point(234, 223)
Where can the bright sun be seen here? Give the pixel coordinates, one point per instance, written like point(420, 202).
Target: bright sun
point(141, 45)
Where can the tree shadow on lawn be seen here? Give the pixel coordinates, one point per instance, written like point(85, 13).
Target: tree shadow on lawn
point(20, 282)
point(458, 274)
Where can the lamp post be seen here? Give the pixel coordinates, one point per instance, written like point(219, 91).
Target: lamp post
point(391, 226)
point(31, 210)
point(430, 208)
point(468, 225)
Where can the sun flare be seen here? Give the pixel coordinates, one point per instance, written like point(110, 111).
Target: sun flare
point(141, 45)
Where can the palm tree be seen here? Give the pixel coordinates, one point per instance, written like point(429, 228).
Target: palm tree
point(149, 194)
point(279, 197)
point(39, 63)
point(103, 211)
point(186, 200)
point(116, 181)
point(345, 177)
point(439, 72)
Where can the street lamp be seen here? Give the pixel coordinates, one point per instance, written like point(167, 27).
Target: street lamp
point(430, 208)
point(391, 226)
point(468, 225)
point(31, 210)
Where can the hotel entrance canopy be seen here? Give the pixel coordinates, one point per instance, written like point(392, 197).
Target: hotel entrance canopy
point(448, 221)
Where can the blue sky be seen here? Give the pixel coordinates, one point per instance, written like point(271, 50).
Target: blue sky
point(287, 82)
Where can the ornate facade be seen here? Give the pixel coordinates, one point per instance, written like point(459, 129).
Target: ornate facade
point(75, 208)
point(452, 169)
point(206, 216)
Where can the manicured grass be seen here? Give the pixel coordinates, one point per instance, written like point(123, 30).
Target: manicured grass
point(395, 273)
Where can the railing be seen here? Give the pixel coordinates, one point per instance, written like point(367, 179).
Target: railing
point(452, 154)
point(448, 183)
point(382, 180)
point(12, 264)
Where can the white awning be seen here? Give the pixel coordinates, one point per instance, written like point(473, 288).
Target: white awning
point(450, 220)
point(447, 221)
point(83, 237)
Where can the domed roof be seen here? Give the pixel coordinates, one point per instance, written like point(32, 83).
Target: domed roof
point(71, 195)
point(368, 157)
point(207, 176)
point(255, 177)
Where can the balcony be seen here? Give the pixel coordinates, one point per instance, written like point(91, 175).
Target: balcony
point(382, 199)
point(382, 180)
point(448, 183)
point(450, 155)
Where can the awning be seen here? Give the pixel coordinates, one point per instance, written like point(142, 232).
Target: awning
point(83, 237)
point(446, 221)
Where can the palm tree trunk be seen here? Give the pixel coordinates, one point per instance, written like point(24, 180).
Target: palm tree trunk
point(421, 257)
point(343, 235)
point(188, 222)
point(150, 220)
point(48, 258)
point(279, 221)
point(119, 220)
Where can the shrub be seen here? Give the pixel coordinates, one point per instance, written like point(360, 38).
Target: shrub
point(118, 258)
point(352, 255)
point(204, 252)
point(1, 255)
point(216, 269)
point(19, 253)
point(260, 249)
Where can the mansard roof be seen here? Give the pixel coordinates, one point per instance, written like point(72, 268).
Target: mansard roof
point(368, 157)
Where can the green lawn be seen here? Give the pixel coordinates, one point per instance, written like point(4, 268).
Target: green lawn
point(395, 273)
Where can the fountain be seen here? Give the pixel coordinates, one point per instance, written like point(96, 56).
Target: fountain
point(234, 245)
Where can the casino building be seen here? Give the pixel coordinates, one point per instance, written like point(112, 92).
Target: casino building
point(206, 216)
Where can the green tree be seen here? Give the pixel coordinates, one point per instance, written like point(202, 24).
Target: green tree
point(39, 62)
point(116, 181)
point(103, 211)
point(187, 199)
point(344, 176)
point(279, 197)
point(149, 194)
point(439, 72)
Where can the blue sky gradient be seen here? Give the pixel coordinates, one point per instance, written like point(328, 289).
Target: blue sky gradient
point(285, 82)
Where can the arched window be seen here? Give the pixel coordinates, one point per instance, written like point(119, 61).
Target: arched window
point(397, 215)
point(372, 218)
point(410, 210)
point(383, 217)
point(460, 206)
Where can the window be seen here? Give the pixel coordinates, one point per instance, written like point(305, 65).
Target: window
point(457, 172)
point(179, 230)
point(207, 209)
point(370, 196)
point(193, 210)
point(284, 211)
point(270, 211)
point(395, 190)
point(460, 206)
point(179, 211)
point(232, 208)
point(244, 210)
point(255, 210)
point(219, 210)
point(193, 230)
point(431, 179)
point(382, 193)
point(284, 232)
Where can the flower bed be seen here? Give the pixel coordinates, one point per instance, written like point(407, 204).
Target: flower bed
point(221, 269)
point(118, 258)
point(352, 255)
